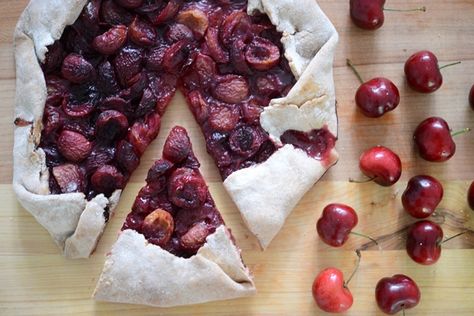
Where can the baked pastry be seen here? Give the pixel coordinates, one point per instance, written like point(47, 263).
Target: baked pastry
point(94, 78)
point(174, 248)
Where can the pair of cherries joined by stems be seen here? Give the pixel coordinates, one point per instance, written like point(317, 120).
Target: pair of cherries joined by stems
point(380, 95)
point(393, 294)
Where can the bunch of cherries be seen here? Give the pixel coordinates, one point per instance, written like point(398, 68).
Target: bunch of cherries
point(434, 142)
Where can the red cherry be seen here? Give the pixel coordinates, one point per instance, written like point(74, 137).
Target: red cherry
point(434, 140)
point(423, 72)
point(367, 14)
point(381, 165)
point(422, 195)
point(471, 97)
point(377, 97)
point(397, 293)
point(330, 291)
point(336, 223)
point(424, 242)
point(470, 196)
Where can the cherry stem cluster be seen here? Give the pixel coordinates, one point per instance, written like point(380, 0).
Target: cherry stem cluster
point(359, 257)
point(422, 9)
point(350, 64)
point(449, 65)
point(463, 131)
point(365, 236)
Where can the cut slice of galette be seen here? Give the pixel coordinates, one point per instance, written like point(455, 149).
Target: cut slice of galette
point(174, 248)
point(95, 77)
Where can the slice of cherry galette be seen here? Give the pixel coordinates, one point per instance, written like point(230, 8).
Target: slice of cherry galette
point(174, 248)
point(95, 77)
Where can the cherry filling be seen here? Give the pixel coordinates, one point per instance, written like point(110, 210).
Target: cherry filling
point(175, 209)
point(114, 71)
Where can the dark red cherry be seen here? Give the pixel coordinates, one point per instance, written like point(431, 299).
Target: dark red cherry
point(377, 97)
point(381, 165)
point(330, 292)
point(336, 223)
point(433, 140)
point(424, 242)
point(397, 293)
point(470, 196)
point(471, 97)
point(422, 195)
point(423, 72)
point(367, 14)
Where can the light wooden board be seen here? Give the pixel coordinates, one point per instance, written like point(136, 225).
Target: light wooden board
point(35, 280)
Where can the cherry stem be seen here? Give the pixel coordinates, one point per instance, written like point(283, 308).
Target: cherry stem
point(403, 310)
point(463, 131)
point(452, 237)
point(365, 236)
point(422, 9)
point(361, 181)
point(359, 256)
point(449, 65)
point(350, 64)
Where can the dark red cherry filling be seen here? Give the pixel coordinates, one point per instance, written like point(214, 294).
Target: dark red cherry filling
point(114, 71)
point(175, 209)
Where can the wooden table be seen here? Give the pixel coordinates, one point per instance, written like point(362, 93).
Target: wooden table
point(36, 280)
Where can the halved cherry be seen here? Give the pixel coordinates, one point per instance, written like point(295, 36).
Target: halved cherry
point(128, 63)
point(73, 146)
point(107, 179)
point(195, 237)
point(223, 118)
point(158, 226)
point(168, 12)
point(76, 69)
point(261, 54)
point(69, 178)
point(187, 189)
point(111, 124)
point(113, 14)
point(177, 146)
point(142, 33)
point(231, 89)
point(111, 41)
point(195, 19)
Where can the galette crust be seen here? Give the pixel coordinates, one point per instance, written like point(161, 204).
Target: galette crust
point(138, 272)
point(73, 229)
point(267, 193)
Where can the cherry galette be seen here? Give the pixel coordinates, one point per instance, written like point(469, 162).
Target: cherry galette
point(109, 69)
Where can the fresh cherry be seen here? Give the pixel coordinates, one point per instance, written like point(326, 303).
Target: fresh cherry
point(434, 139)
point(423, 72)
point(376, 96)
point(381, 165)
point(336, 223)
point(330, 291)
point(369, 15)
point(422, 195)
point(471, 97)
point(424, 242)
point(397, 293)
point(470, 196)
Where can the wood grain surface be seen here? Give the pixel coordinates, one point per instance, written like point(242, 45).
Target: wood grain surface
point(36, 280)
